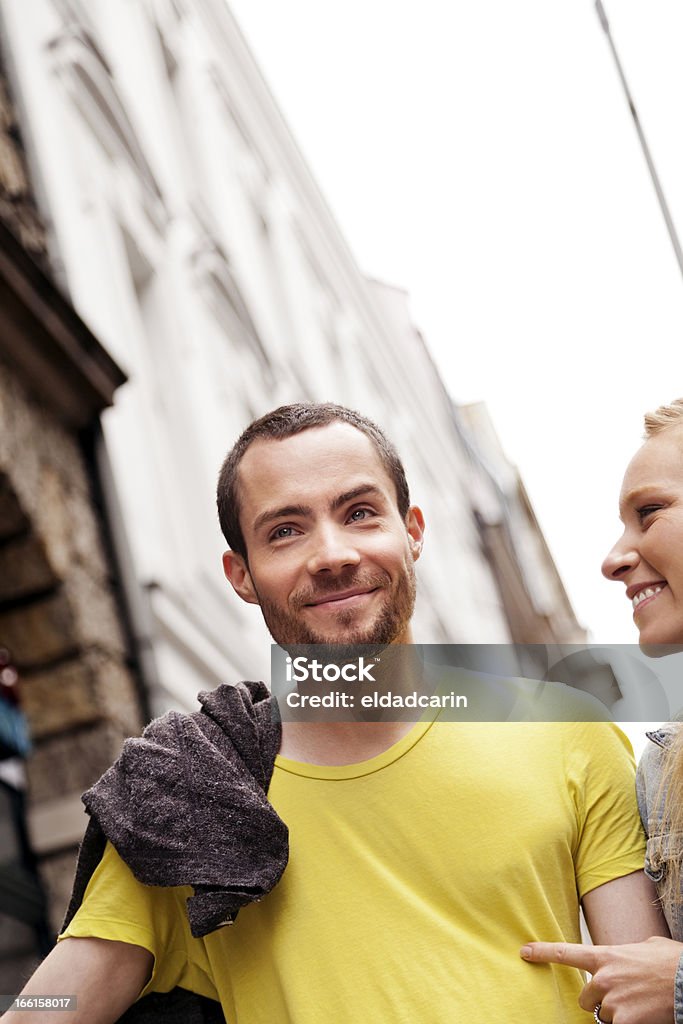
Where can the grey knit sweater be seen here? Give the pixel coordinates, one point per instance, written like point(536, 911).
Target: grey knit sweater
point(185, 804)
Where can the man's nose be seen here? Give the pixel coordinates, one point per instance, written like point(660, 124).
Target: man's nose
point(622, 558)
point(332, 551)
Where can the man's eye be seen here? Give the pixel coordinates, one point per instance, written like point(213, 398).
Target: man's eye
point(282, 533)
point(359, 514)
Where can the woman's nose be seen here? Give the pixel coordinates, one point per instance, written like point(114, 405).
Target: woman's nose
point(621, 559)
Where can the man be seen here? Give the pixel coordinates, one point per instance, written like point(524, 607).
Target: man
point(421, 854)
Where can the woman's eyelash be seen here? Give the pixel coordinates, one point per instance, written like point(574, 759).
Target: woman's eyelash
point(647, 510)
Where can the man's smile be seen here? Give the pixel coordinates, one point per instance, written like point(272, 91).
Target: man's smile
point(344, 599)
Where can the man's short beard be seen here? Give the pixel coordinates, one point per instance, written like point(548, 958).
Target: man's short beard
point(287, 628)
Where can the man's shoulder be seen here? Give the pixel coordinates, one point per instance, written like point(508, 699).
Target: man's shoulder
point(165, 802)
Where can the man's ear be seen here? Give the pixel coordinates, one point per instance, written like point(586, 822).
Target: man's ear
point(415, 525)
point(237, 572)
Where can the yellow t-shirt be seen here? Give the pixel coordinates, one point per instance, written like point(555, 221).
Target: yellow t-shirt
point(413, 879)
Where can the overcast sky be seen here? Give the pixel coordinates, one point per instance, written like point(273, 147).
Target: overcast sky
point(483, 157)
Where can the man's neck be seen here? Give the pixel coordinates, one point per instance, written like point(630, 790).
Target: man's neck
point(348, 742)
point(339, 743)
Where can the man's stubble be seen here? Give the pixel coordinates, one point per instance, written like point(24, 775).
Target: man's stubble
point(287, 627)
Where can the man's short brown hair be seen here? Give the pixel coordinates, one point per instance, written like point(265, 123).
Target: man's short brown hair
point(285, 422)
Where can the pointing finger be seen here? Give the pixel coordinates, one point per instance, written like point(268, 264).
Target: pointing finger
point(573, 954)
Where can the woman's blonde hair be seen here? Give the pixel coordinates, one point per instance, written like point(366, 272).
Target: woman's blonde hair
point(667, 840)
point(666, 416)
point(669, 799)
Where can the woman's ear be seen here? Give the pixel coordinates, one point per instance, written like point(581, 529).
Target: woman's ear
point(237, 572)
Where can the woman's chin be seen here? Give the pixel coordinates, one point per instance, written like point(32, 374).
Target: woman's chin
point(655, 647)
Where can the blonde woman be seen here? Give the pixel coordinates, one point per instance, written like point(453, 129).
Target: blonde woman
point(642, 983)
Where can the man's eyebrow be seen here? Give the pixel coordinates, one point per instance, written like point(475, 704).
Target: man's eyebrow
point(361, 491)
point(281, 513)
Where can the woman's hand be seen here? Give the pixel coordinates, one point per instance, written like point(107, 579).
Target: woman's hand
point(634, 983)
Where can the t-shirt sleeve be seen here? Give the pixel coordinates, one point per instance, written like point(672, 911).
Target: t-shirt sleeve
point(611, 841)
point(118, 907)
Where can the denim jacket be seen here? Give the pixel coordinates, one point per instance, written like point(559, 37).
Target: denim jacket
point(660, 849)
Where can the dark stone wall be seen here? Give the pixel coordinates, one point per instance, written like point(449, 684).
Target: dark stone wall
point(60, 618)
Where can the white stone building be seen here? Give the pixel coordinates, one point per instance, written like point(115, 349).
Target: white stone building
point(195, 243)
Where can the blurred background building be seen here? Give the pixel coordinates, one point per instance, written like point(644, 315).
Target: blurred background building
point(169, 270)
